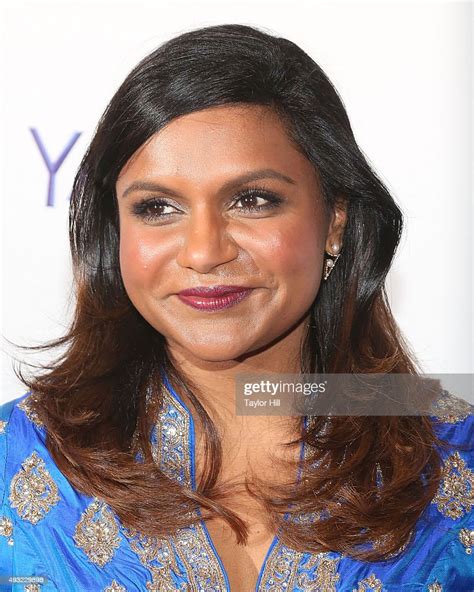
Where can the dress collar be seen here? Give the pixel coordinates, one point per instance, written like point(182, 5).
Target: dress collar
point(173, 438)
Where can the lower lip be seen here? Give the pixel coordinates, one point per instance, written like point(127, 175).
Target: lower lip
point(215, 303)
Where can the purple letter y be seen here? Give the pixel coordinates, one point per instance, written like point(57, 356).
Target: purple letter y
point(53, 167)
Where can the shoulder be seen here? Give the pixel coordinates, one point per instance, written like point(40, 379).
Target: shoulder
point(451, 409)
point(453, 422)
point(19, 426)
point(19, 409)
point(6, 409)
point(18, 414)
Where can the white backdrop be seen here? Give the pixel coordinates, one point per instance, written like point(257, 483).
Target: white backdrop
point(404, 71)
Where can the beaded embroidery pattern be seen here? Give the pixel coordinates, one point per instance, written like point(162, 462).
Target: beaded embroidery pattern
point(466, 537)
point(97, 533)
point(455, 495)
point(27, 407)
point(32, 490)
point(452, 409)
point(370, 583)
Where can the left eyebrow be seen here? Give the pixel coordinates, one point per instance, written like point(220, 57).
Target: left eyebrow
point(228, 185)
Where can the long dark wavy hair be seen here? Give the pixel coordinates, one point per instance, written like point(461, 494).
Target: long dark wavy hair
point(94, 398)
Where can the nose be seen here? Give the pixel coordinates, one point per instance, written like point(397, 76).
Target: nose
point(207, 242)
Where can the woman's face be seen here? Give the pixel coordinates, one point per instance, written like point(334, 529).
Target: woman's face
point(187, 219)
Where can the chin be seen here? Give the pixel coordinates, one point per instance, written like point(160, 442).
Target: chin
point(218, 350)
point(215, 353)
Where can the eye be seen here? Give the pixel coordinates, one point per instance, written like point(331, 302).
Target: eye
point(150, 209)
point(251, 195)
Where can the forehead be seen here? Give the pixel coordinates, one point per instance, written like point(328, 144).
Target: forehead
point(218, 142)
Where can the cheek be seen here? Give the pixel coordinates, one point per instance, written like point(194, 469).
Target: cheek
point(296, 254)
point(139, 257)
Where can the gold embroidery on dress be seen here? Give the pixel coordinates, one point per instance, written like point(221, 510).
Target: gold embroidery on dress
point(280, 569)
point(158, 557)
point(27, 407)
point(32, 490)
point(115, 587)
point(435, 587)
point(455, 495)
point(3, 426)
point(97, 533)
point(452, 409)
point(197, 555)
point(171, 452)
point(466, 537)
point(370, 583)
point(6, 529)
point(6, 526)
point(324, 578)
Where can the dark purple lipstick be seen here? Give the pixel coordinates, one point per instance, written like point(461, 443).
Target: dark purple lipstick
point(215, 297)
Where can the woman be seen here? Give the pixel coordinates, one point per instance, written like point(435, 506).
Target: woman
point(226, 158)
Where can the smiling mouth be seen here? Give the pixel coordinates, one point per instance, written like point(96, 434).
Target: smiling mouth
point(213, 303)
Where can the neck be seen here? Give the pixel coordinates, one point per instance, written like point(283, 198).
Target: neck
point(216, 380)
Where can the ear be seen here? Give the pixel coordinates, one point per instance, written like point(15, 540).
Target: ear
point(337, 223)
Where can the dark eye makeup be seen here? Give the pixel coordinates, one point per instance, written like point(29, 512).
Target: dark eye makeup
point(150, 209)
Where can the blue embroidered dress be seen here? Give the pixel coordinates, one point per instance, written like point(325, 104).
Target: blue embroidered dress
point(76, 543)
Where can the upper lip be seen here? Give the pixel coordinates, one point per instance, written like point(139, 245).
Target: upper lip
point(212, 290)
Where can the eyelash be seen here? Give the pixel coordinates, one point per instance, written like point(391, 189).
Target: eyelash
point(142, 208)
